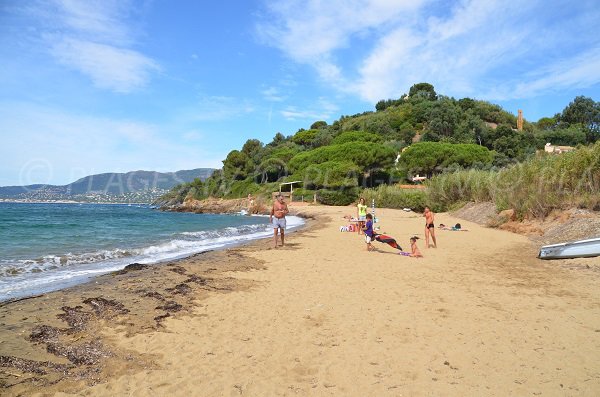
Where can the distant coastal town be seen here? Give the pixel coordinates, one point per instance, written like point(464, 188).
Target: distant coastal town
point(49, 196)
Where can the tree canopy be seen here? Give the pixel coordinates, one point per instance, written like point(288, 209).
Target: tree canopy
point(432, 157)
point(439, 132)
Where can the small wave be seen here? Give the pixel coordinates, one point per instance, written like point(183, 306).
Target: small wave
point(51, 269)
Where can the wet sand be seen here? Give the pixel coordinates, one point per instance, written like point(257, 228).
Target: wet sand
point(477, 316)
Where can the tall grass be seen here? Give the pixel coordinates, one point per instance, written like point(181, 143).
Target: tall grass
point(447, 190)
point(389, 196)
point(548, 182)
point(533, 188)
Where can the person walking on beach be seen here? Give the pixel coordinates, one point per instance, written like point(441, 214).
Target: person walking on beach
point(361, 213)
point(429, 227)
point(277, 218)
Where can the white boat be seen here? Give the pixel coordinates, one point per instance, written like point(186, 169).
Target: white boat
point(576, 249)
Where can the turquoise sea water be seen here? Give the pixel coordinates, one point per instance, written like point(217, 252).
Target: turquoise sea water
point(45, 247)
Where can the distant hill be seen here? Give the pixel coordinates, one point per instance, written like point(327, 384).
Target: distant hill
point(139, 186)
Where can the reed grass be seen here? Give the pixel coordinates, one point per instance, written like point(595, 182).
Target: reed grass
point(533, 188)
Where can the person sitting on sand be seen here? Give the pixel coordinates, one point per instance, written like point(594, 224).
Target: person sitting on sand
point(429, 227)
point(277, 218)
point(414, 250)
point(368, 230)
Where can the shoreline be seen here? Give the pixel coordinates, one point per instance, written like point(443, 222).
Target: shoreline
point(135, 300)
point(89, 278)
point(320, 316)
point(11, 201)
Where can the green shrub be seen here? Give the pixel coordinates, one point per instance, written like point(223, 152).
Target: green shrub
point(239, 189)
point(365, 155)
point(356, 136)
point(429, 157)
point(394, 196)
point(305, 137)
point(337, 197)
point(306, 193)
point(329, 175)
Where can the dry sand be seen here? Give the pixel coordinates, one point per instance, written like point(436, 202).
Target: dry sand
point(478, 316)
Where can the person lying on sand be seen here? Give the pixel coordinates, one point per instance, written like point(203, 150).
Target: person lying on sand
point(455, 228)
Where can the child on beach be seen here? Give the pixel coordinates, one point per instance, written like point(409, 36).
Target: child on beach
point(414, 250)
point(368, 230)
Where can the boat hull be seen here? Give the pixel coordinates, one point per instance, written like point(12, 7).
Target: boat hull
point(576, 249)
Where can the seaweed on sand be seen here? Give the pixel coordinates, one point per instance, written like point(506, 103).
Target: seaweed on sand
point(181, 289)
point(131, 267)
point(88, 353)
point(106, 308)
point(170, 306)
point(32, 366)
point(75, 317)
point(179, 270)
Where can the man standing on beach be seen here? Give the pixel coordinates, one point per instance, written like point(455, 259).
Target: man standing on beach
point(278, 212)
point(429, 227)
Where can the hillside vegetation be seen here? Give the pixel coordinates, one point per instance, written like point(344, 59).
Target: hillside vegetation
point(440, 135)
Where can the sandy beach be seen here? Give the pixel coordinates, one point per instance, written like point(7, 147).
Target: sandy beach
point(479, 315)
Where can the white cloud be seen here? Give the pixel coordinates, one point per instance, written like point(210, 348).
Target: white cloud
point(99, 19)
point(580, 72)
point(323, 110)
point(466, 47)
point(214, 108)
point(109, 67)
point(97, 39)
point(272, 94)
point(309, 29)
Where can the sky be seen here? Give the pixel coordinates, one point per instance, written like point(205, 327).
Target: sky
point(113, 85)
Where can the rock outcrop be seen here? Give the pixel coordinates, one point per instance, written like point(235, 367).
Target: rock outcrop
point(217, 206)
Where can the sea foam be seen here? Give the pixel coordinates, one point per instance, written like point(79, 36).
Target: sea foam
point(51, 272)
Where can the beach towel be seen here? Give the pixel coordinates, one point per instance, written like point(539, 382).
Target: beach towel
point(382, 238)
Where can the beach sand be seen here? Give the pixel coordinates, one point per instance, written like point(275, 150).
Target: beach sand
point(478, 316)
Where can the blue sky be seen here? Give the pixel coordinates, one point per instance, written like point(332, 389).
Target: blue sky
point(114, 86)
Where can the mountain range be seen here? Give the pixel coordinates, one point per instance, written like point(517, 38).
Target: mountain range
point(134, 186)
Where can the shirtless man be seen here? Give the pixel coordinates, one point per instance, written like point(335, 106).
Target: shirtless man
point(277, 218)
point(429, 227)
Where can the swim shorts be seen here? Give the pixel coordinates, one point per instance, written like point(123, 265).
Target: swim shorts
point(278, 223)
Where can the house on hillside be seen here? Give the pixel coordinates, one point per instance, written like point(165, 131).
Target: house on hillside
point(418, 179)
point(555, 149)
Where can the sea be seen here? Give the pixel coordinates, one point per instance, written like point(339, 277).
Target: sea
point(50, 246)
